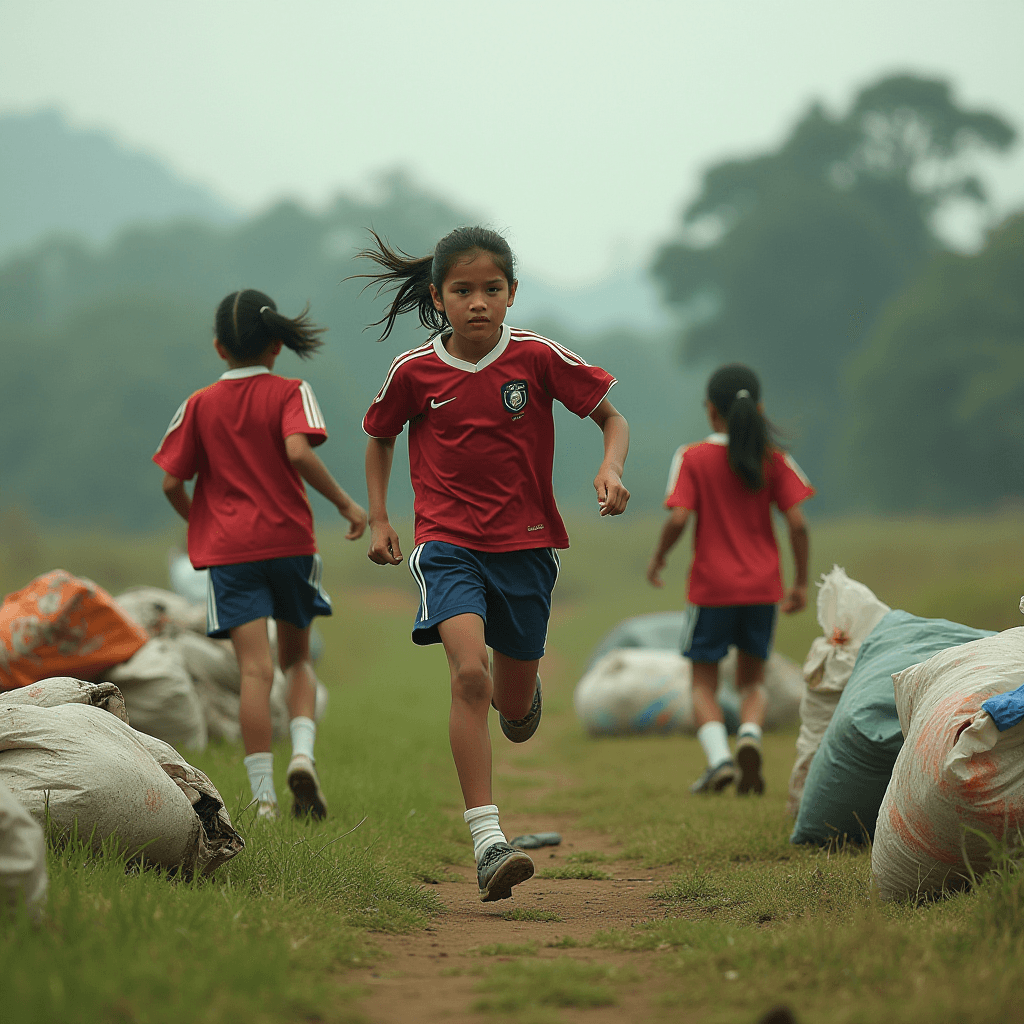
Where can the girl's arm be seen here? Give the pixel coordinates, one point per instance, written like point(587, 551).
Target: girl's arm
point(670, 533)
point(611, 495)
point(384, 546)
point(311, 468)
point(177, 495)
point(796, 599)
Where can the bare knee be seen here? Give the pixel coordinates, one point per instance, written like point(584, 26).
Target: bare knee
point(257, 676)
point(471, 683)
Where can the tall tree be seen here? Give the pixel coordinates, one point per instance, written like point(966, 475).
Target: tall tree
point(937, 395)
point(784, 260)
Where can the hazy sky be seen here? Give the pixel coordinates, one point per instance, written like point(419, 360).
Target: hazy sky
point(579, 126)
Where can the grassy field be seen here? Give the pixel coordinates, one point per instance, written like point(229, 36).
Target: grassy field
point(744, 920)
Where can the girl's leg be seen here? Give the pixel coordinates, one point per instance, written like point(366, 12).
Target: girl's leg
point(472, 689)
point(515, 683)
point(252, 648)
point(710, 722)
point(303, 781)
point(749, 678)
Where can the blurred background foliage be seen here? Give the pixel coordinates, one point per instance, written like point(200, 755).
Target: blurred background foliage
point(895, 366)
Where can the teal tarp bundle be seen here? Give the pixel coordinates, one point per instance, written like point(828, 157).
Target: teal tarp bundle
point(852, 767)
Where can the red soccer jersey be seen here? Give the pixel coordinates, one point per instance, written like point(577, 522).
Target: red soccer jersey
point(482, 437)
point(249, 502)
point(735, 557)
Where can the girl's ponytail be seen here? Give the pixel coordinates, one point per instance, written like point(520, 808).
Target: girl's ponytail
point(411, 277)
point(734, 391)
point(247, 322)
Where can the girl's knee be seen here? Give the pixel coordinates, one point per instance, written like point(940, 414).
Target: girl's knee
point(471, 683)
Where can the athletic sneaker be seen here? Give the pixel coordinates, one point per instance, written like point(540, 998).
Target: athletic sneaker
point(266, 810)
point(521, 730)
point(714, 780)
point(748, 757)
point(501, 867)
point(304, 783)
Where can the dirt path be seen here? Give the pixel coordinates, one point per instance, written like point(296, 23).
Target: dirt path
point(433, 976)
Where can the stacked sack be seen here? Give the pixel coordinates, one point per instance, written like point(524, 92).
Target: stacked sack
point(958, 782)
point(68, 754)
point(639, 683)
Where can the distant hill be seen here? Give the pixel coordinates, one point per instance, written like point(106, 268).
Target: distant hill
point(55, 178)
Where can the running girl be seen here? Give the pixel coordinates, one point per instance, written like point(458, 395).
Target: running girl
point(477, 397)
point(248, 438)
point(730, 481)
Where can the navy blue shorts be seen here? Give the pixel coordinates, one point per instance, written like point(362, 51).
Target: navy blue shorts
point(289, 589)
point(708, 633)
point(509, 590)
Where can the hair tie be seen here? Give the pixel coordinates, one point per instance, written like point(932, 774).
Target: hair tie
point(742, 393)
point(263, 309)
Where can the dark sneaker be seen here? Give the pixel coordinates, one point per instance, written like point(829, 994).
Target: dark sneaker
point(748, 757)
point(521, 730)
point(499, 869)
point(304, 783)
point(714, 780)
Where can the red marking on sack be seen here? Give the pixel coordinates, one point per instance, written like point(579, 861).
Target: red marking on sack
point(154, 800)
point(839, 637)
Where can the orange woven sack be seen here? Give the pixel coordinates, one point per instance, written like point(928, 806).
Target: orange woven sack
point(61, 625)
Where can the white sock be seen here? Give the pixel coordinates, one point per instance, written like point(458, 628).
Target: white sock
point(750, 729)
point(261, 777)
point(303, 732)
point(484, 828)
point(715, 741)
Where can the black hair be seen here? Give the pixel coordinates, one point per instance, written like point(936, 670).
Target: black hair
point(411, 277)
point(247, 322)
point(734, 391)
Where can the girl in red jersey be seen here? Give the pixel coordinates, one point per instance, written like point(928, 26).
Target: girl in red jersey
point(477, 397)
point(249, 440)
point(730, 481)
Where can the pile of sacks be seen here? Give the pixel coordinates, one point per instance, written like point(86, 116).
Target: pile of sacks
point(638, 683)
point(68, 754)
point(913, 738)
point(178, 684)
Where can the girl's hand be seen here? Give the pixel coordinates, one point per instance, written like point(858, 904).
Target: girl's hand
point(611, 495)
point(384, 545)
point(794, 601)
point(356, 515)
point(654, 570)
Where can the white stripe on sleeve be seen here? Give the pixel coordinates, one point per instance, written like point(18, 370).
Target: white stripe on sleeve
point(176, 420)
point(673, 472)
point(314, 417)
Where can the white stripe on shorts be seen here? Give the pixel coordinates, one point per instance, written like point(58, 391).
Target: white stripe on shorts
point(316, 579)
point(212, 622)
point(421, 582)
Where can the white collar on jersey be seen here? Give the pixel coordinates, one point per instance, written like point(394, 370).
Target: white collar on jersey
point(241, 372)
point(461, 364)
point(717, 439)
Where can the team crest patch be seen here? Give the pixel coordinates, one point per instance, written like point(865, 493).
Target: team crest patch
point(514, 395)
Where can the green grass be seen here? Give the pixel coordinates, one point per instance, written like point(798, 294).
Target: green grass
point(509, 949)
point(744, 921)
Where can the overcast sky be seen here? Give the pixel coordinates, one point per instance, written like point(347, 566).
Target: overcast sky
point(579, 126)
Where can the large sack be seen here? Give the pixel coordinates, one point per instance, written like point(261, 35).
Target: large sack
point(212, 661)
point(847, 613)
point(635, 691)
point(161, 612)
point(160, 696)
point(48, 693)
point(658, 631)
point(957, 774)
point(60, 625)
point(849, 772)
point(83, 765)
point(22, 855)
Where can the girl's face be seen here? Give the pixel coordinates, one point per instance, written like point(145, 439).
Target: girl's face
point(475, 296)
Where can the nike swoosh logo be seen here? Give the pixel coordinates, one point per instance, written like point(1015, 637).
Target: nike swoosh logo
point(437, 405)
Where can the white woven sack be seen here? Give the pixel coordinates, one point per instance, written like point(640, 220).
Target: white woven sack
point(162, 612)
point(212, 661)
point(956, 774)
point(160, 696)
point(48, 693)
point(816, 711)
point(847, 613)
point(22, 855)
point(86, 766)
